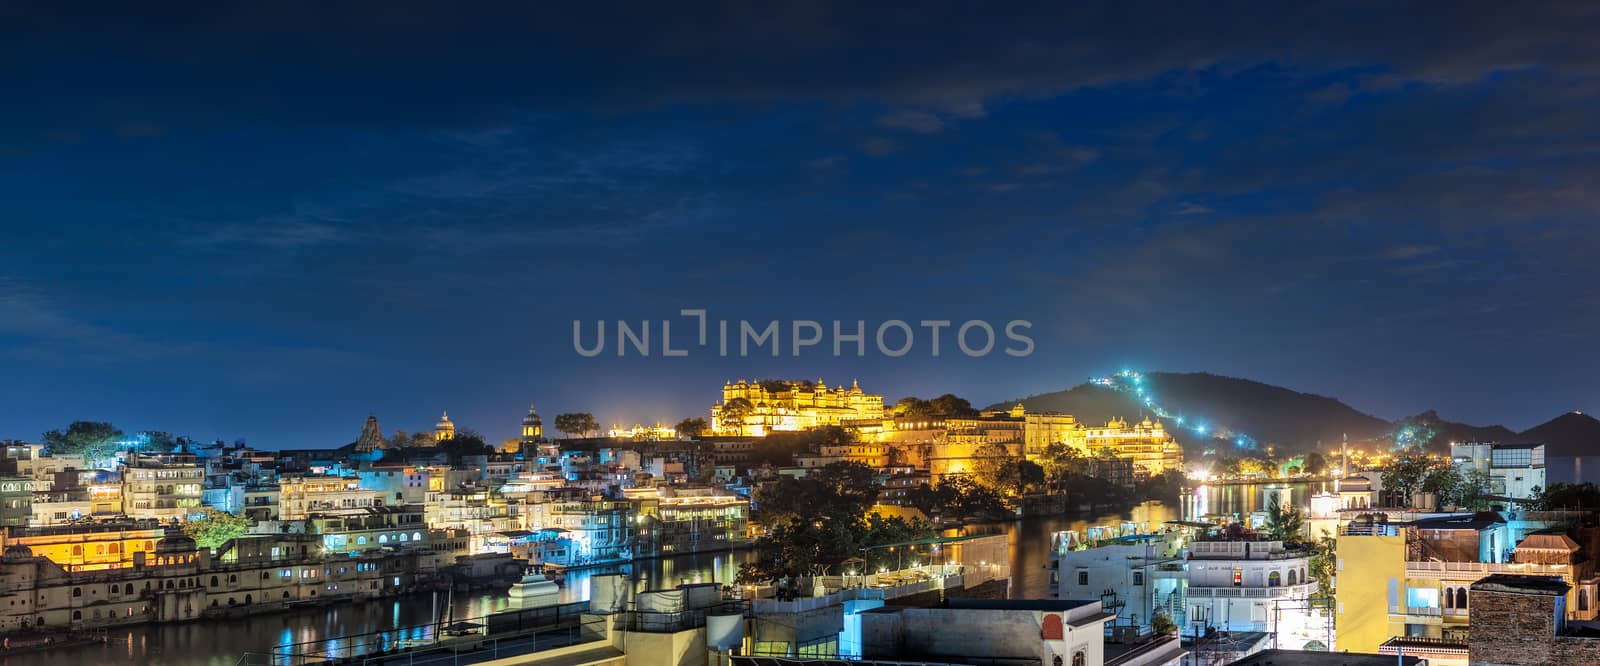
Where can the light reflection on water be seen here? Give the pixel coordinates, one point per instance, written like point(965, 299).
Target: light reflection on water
point(220, 643)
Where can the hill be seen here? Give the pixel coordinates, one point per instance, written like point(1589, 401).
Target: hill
point(1571, 434)
point(1270, 414)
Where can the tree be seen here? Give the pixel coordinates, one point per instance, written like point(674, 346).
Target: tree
point(465, 443)
point(1406, 473)
point(734, 411)
point(215, 527)
point(1321, 565)
point(950, 406)
point(1061, 461)
point(1285, 524)
point(95, 440)
point(912, 406)
point(1028, 474)
point(1163, 625)
point(850, 480)
point(690, 428)
point(398, 439)
point(579, 423)
point(991, 466)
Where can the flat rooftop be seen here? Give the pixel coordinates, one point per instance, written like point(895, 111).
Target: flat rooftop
point(1311, 658)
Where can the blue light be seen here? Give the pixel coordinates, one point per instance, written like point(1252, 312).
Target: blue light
point(1180, 420)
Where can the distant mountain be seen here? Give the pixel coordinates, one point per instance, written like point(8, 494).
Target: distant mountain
point(1270, 414)
point(1439, 433)
point(1571, 434)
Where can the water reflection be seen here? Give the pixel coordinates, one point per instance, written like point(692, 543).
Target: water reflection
point(220, 643)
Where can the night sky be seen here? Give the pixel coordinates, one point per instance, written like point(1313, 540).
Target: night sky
point(268, 222)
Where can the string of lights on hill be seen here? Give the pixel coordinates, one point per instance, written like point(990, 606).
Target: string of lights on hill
point(1132, 383)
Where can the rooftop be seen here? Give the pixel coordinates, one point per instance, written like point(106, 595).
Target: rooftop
point(1519, 584)
point(1311, 658)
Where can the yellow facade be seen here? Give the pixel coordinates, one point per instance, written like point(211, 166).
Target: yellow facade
point(790, 406)
point(87, 549)
point(1369, 570)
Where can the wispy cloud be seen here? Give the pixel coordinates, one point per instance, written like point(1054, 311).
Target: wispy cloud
point(918, 122)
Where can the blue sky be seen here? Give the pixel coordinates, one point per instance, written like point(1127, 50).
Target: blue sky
point(269, 222)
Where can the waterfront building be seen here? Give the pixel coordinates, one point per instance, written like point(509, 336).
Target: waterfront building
point(1513, 470)
point(670, 520)
point(153, 488)
point(1007, 631)
point(754, 409)
point(89, 547)
point(589, 529)
point(1146, 443)
point(1041, 429)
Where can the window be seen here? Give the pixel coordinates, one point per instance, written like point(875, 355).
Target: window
point(1274, 579)
point(1461, 598)
point(1138, 578)
point(1238, 577)
point(1079, 659)
point(1083, 578)
point(1583, 599)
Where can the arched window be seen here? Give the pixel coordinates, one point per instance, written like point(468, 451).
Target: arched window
point(404, 537)
point(233, 578)
point(1080, 659)
point(115, 549)
point(1583, 599)
point(361, 540)
point(1449, 597)
point(127, 589)
point(1461, 598)
point(77, 551)
point(77, 615)
point(286, 594)
point(383, 538)
point(1274, 579)
point(247, 600)
point(99, 549)
point(416, 536)
point(77, 591)
point(214, 582)
point(1292, 578)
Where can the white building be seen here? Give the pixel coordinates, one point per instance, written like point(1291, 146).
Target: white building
point(1242, 585)
point(1144, 573)
point(1514, 470)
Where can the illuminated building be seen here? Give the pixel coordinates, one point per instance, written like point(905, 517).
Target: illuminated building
point(685, 520)
point(16, 501)
point(301, 497)
point(444, 429)
point(643, 433)
point(90, 547)
point(1145, 571)
point(165, 490)
point(1251, 585)
point(1414, 580)
point(1147, 444)
point(1041, 429)
point(1513, 470)
point(755, 409)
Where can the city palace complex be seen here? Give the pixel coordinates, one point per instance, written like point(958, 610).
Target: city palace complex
point(136, 533)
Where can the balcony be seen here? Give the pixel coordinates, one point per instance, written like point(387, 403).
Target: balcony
point(1415, 614)
point(1454, 569)
point(1285, 592)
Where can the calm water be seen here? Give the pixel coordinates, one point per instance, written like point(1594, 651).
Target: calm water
point(220, 643)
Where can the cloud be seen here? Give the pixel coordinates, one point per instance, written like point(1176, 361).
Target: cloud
point(918, 122)
point(878, 146)
point(429, 64)
point(1191, 208)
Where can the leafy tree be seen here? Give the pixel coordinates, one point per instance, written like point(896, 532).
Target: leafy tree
point(216, 527)
point(1028, 475)
point(1567, 496)
point(398, 439)
point(912, 406)
point(1163, 625)
point(1253, 466)
point(850, 480)
point(1061, 461)
point(957, 497)
point(1285, 524)
point(465, 443)
point(1321, 566)
point(734, 411)
point(950, 406)
point(690, 428)
point(579, 423)
point(992, 466)
point(1406, 473)
point(95, 440)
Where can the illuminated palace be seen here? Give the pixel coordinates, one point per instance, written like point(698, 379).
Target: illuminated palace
point(753, 409)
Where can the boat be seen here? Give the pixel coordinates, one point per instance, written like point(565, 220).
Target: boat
point(535, 589)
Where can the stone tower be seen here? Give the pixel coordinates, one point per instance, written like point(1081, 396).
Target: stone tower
point(371, 436)
point(532, 427)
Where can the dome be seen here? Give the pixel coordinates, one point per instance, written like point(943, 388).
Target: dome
point(176, 542)
point(532, 418)
point(444, 420)
point(17, 553)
